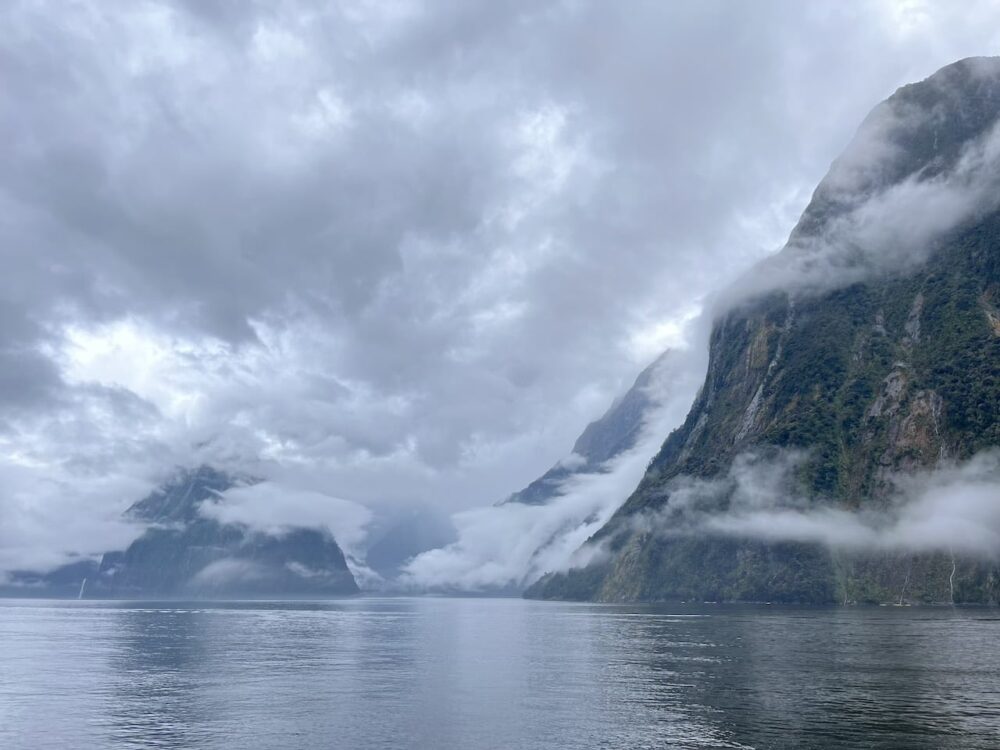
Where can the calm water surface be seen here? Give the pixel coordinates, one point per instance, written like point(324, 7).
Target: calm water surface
point(494, 673)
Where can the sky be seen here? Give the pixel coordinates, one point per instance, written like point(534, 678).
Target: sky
point(387, 255)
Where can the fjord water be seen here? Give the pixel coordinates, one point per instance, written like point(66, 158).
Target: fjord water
point(494, 673)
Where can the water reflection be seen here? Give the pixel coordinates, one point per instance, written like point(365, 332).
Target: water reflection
point(474, 673)
point(840, 678)
point(157, 679)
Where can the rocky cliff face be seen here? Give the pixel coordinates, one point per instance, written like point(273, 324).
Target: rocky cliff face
point(868, 349)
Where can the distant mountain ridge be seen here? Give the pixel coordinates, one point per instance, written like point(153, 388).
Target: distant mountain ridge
point(184, 554)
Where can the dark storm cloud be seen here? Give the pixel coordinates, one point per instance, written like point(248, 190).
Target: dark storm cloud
point(395, 252)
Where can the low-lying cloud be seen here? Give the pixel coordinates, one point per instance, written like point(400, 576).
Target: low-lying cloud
point(57, 518)
point(276, 509)
point(883, 209)
point(510, 546)
point(954, 508)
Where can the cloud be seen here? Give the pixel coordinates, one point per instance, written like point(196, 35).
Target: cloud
point(511, 545)
point(905, 181)
point(954, 508)
point(229, 571)
point(52, 518)
point(274, 509)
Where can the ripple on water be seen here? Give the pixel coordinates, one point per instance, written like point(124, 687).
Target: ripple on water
point(481, 673)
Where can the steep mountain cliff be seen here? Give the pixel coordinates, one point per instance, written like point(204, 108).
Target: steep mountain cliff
point(867, 351)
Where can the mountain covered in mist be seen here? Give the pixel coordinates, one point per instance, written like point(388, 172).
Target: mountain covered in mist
point(841, 448)
point(615, 432)
point(186, 553)
point(507, 546)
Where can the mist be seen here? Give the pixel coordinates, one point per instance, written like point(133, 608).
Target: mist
point(952, 508)
point(875, 214)
point(274, 509)
point(511, 545)
point(49, 520)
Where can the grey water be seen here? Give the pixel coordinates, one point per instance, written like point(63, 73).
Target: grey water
point(494, 673)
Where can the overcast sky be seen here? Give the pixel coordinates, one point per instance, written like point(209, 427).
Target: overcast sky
point(393, 253)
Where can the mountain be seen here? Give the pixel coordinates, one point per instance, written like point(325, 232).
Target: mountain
point(185, 554)
point(603, 439)
point(865, 354)
point(503, 548)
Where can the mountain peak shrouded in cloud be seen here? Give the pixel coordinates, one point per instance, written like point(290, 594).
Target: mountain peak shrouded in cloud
point(187, 550)
point(923, 163)
point(183, 551)
point(383, 257)
point(920, 133)
point(603, 439)
point(509, 545)
point(843, 445)
point(180, 500)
